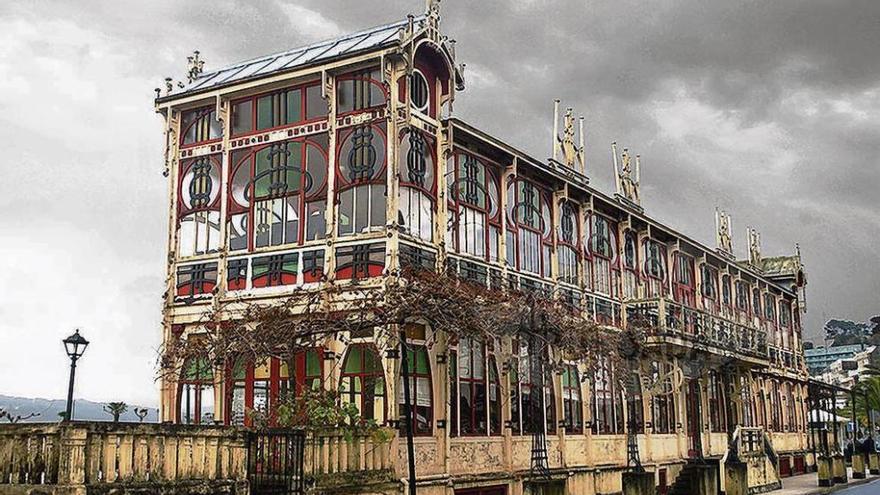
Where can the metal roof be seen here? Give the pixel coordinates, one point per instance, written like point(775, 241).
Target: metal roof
point(362, 41)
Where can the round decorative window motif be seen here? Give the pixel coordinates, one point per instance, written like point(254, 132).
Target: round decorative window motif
point(200, 184)
point(419, 92)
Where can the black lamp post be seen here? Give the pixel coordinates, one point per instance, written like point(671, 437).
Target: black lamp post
point(75, 345)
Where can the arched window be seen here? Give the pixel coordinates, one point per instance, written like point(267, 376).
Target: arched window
point(655, 268)
point(530, 408)
point(417, 184)
point(196, 394)
point(630, 265)
point(567, 236)
point(420, 392)
point(530, 233)
point(273, 188)
point(361, 191)
point(709, 287)
point(725, 291)
point(258, 386)
point(474, 206)
point(770, 308)
point(199, 206)
point(663, 401)
point(742, 296)
point(200, 126)
point(475, 389)
point(363, 382)
point(685, 285)
point(572, 403)
point(756, 302)
point(420, 92)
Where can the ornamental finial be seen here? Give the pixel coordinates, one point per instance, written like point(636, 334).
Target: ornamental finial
point(195, 66)
point(754, 247)
point(572, 154)
point(627, 178)
point(723, 239)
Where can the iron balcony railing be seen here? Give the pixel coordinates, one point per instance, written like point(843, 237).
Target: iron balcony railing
point(667, 318)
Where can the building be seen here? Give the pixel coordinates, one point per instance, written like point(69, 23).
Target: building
point(342, 161)
point(845, 371)
point(820, 358)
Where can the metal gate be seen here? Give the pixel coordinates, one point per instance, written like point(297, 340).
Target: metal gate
point(275, 462)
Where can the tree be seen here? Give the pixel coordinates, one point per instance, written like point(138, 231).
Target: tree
point(116, 409)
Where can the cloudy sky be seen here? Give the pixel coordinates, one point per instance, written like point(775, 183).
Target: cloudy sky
point(770, 110)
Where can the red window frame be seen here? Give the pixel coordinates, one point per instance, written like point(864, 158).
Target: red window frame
point(607, 420)
point(573, 244)
point(254, 99)
point(362, 75)
point(455, 202)
point(205, 113)
point(647, 273)
point(493, 428)
point(317, 194)
point(572, 409)
point(365, 348)
point(516, 227)
point(684, 290)
point(414, 374)
point(595, 252)
point(199, 384)
point(710, 298)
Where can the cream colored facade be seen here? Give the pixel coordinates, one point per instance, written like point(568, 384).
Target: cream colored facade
point(722, 358)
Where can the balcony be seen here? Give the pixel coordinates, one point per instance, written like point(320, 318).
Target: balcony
point(677, 325)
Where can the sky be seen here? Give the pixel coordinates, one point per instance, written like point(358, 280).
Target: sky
point(769, 110)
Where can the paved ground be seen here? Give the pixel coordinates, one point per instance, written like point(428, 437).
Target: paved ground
point(807, 484)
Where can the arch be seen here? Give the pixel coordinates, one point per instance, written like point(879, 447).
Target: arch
point(362, 382)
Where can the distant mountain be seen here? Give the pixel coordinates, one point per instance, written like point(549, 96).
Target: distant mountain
point(48, 410)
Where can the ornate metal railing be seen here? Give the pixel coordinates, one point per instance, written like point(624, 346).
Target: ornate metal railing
point(667, 318)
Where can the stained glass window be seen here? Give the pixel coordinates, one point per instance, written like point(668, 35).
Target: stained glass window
point(361, 171)
point(420, 95)
point(474, 206)
point(199, 126)
point(360, 261)
point(530, 228)
point(196, 392)
point(199, 206)
point(196, 279)
point(272, 188)
point(417, 185)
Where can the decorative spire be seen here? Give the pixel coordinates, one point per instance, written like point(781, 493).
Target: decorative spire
point(754, 247)
point(195, 66)
point(572, 154)
point(723, 238)
point(432, 18)
point(627, 178)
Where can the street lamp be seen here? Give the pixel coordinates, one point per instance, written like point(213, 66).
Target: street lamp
point(75, 345)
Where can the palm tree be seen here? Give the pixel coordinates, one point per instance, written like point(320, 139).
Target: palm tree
point(116, 409)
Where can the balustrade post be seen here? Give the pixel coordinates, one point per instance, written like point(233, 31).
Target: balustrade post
point(72, 459)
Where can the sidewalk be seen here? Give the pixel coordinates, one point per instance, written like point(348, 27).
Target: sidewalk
point(807, 484)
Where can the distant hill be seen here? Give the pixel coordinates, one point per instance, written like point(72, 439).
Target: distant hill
point(83, 410)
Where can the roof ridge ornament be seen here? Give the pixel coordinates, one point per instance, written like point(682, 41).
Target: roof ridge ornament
point(754, 247)
point(723, 229)
point(432, 19)
point(627, 178)
point(564, 145)
point(195, 66)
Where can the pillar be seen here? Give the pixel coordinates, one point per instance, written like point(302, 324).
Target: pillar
point(858, 465)
point(736, 478)
point(823, 466)
point(874, 463)
point(838, 468)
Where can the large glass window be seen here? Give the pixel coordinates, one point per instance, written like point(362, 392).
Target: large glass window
point(278, 109)
point(200, 126)
point(572, 403)
point(568, 250)
point(359, 91)
point(420, 392)
point(655, 268)
point(476, 401)
point(278, 193)
point(361, 190)
point(607, 404)
point(717, 403)
point(530, 232)
point(630, 265)
point(663, 401)
point(533, 402)
point(709, 287)
point(196, 393)
point(199, 206)
point(685, 285)
point(417, 185)
point(474, 206)
point(742, 296)
point(362, 382)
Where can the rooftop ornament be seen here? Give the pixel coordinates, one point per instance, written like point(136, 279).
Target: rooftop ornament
point(723, 238)
point(754, 247)
point(627, 178)
point(572, 154)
